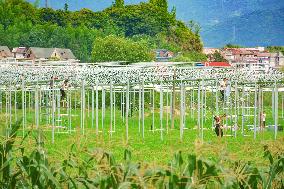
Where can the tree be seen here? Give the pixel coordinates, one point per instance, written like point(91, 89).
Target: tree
point(23, 24)
point(66, 6)
point(194, 27)
point(217, 57)
point(229, 45)
point(276, 49)
point(119, 3)
point(113, 48)
point(162, 4)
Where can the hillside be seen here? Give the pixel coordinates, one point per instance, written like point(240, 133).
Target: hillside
point(262, 28)
point(150, 24)
point(212, 15)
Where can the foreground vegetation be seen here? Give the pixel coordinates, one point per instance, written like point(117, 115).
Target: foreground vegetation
point(94, 168)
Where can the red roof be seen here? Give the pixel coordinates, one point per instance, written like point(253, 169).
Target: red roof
point(217, 64)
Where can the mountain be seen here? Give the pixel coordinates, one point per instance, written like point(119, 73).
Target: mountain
point(260, 21)
point(259, 28)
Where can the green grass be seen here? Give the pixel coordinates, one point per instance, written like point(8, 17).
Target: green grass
point(152, 150)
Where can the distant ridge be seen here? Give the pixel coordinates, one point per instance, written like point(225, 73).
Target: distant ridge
point(259, 28)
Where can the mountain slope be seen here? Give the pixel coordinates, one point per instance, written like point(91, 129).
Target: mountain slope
point(259, 28)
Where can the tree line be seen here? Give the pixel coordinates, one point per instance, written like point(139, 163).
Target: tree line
point(138, 29)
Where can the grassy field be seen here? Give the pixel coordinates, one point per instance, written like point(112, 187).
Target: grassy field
point(152, 150)
point(158, 146)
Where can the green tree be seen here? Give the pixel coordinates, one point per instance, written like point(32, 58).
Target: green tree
point(150, 25)
point(217, 57)
point(66, 7)
point(113, 48)
point(275, 49)
point(229, 45)
point(162, 4)
point(119, 3)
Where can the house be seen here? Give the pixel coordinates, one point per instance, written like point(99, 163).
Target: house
point(36, 53)
point(63, 54)
point(273, 59)
point(5, 52)
point(241, 55)
point(19, 52)
point(164, 55)
point(280, 59)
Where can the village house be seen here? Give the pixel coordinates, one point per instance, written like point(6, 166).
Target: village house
point(36, 53)
point(252, 56)
point(19, 52)
point(5, 52)
point(164, 55)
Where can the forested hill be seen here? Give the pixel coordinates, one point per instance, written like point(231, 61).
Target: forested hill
point(217, 18)
point(23, 24)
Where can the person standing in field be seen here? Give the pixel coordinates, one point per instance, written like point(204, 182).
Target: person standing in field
point(218, 126)
point(263, 118)
point(63, 89)
point(223, 86)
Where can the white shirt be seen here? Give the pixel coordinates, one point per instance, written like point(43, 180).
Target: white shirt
point(223, 85)
point(263, 117)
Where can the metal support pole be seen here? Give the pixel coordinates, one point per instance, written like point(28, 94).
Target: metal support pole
point(93, 106)
point(142, 111)
point(202, 110)
point(69, 110)
point(83, 107)
point(114, 107)
point(37, 107)
point(111, 108)
point(103, 107)
point(140, 104)
point(161, 109)
point(10, 107)
point(243, 109)
point(53, 113)
point(127, 110)
point(181, 110)
point(282, 106)
point(153, 109)
point(198, 109)
point(23, 106)
point(173, 101)
point(97, 108)
point(276, 111)
point(255, 111)
point(236, 110)
point(167, 108)
point(15, 106)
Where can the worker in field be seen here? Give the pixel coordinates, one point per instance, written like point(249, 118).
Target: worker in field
point(218, 126)
point(64, 87)
point(263, 118)
point(223, 87)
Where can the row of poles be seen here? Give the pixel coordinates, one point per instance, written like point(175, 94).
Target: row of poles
point(38, 100)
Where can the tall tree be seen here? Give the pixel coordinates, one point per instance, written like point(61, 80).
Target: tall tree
point(66, 6)
point(162, 4)
point(119, 3)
